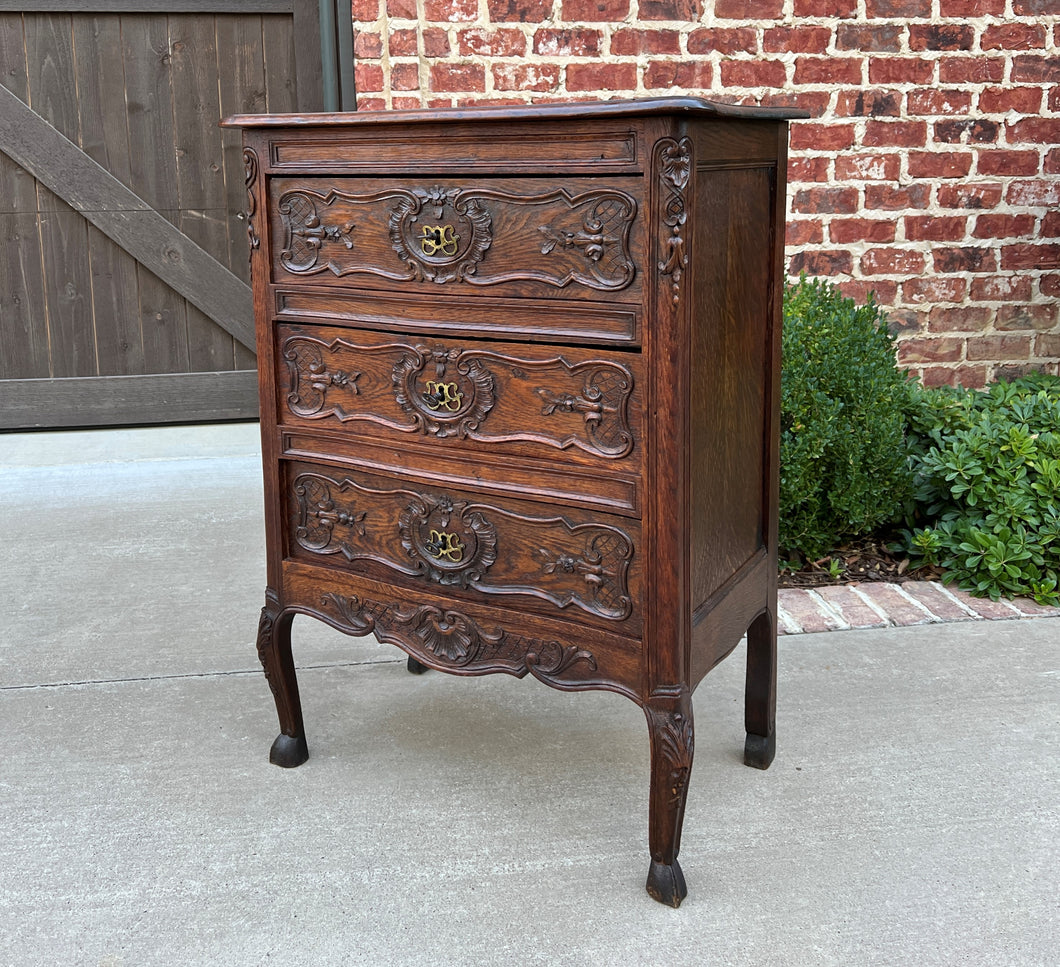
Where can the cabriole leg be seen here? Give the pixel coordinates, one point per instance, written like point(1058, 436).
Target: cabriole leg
point(760, 696)
point(274, 650)
point(672, 742)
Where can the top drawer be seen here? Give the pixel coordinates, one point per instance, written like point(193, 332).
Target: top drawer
point(546, 238)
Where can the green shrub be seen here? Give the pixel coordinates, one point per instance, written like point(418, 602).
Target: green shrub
point(843, 462)
point(987, 479)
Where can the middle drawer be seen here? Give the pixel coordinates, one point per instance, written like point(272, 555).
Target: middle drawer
point(578, 406)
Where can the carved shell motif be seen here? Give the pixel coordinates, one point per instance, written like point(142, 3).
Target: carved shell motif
point(453, 638)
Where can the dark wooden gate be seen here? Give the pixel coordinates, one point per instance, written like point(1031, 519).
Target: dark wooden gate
point(123, 275)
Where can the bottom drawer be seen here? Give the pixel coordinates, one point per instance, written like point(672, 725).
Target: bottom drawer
point(578, 564)
point(465, 638)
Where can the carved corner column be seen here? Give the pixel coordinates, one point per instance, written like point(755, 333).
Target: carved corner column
point(672, 734)
point(274, 650)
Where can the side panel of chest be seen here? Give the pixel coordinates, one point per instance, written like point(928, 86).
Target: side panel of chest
point(732, 359)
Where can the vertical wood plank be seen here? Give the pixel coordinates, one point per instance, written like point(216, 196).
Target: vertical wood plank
point(101, 93)
point(23, 313)
point(200, 171)
point(241, 82)
point(281, 95)
point(23, 321)
point(305, 56)
point(153, 173)
point(104, 138)
point(18, 191)
point(64, 233)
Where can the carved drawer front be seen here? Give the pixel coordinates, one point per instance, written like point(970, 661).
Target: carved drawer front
point(496, 235)
point(578, 563)
point(572, 403)
point(466, 637)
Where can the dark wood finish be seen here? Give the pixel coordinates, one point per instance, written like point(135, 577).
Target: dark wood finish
point(520, 402)
point(577, 406)
point(126, 255)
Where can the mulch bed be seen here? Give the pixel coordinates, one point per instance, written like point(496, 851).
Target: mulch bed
point(863, 560)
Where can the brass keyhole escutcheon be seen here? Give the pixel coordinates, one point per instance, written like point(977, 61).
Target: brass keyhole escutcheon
point(444, 546)
point(443, 396)
point(439, 240)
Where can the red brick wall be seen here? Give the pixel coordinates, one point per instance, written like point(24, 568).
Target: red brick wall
point(929, 174)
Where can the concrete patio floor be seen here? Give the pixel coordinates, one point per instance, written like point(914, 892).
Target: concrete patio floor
point(912, 815)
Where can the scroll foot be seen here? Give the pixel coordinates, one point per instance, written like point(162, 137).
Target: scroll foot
point(759, 750)
point(672, 743)
point(666, 883)
point(274, 650)
point(289, 751)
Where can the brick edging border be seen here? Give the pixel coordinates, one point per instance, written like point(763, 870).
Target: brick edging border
point(881, 604)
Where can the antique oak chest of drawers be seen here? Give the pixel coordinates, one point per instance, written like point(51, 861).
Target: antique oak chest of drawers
point(519, 373)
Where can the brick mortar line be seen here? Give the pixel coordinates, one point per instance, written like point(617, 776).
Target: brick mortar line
point(830, 611)
point(957, 601)
point(872, 605)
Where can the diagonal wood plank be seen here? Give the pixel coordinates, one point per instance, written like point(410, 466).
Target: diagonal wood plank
point(123, 216)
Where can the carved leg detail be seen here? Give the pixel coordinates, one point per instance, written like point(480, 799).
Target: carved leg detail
point(760, 696)
point(274, 650)
point(672, 744)
point(417, 667)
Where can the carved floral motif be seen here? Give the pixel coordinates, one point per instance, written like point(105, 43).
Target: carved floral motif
point(456, 543)
point(675, 170)
point(448, 392)
point(311, 376)
point(306, 232)
point(444, 234)
point(319, 517)
point(602, 565)
point(602, 402)
point(602, 238)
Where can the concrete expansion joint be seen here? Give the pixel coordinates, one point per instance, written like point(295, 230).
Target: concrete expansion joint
point(191, 676)
point(881, 604)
